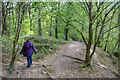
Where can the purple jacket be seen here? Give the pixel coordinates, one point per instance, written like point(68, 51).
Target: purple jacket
point(28, 49)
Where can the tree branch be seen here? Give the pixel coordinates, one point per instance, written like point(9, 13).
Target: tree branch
point(81, 34)
point(101, 12)
point(84, 8)
point(80, 23)
point(109, 30)
point(83, 37)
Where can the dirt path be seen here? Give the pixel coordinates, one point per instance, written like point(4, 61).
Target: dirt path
point(61, 65)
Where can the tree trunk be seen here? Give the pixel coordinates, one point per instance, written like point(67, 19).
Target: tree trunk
point(20, 18)
point(0, 20)
point(50, 26)
point(107, 36)
point(119, 37)
point(39, 22)
point(16, 20)
point(12, 14)
point(56, 33)
point(25, 12)
point(119, 28)
point(29, 10)
point(4, 23)
point(66, 32)
point(88, 59)
point(15, 41)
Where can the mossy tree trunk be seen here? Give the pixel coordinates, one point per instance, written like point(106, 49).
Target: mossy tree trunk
point(87, 58)
point(119, 37)
point(92, 19)
point(14, 53)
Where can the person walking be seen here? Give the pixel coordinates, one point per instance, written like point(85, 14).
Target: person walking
point(27, 51)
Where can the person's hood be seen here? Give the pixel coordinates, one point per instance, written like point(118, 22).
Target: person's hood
point(28, 43)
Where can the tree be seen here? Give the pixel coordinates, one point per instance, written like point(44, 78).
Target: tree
point(94, 15)
point(56, 28)
point(0, 16)
point(119, 36)
point(50, 34)
point(119, 28)
point(56, 20)
point(39, 21)
point(14, 53)
point(4, 15)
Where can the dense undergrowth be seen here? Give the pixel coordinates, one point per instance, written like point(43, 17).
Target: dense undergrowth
point(44, 45)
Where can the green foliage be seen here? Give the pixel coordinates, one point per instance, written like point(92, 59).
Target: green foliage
point(7, 43)
point(68, 14)
point(45, 45)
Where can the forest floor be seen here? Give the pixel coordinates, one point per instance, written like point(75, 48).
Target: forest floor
point(62, 64)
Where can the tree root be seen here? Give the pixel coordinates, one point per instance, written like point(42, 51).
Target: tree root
point(73, 58)
point(44, 67)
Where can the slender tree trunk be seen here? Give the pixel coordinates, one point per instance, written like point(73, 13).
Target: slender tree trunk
point(56, 31)
point(114, 47)
point(66, 32)
point(15, 41)
point(4, 22)
point(9, 16)
point(39, 22)
point(25, 12)
point(33, 21)
point(20, 18)
point(106, 42)
point(29, 10)
point(12, 14)
point(119, 38)
point(83, 23)
point(87, 59)
point(119, 28)
point(50, 26)
point(0, 20)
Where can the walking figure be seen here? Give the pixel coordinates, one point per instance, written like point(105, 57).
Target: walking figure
point(27, 51)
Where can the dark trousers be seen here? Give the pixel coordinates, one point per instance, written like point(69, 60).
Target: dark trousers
point(29, 60)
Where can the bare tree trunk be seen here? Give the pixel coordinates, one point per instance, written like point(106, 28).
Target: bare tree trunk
point(56, 31)
point(4, 20)
point(29, 10)
point(0, 21)
point(50, 26)
point(66, 32)
point(114, 47)
point(13, 13)
point(39, 22)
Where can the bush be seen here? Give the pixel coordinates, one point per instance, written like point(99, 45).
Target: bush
point(45, 44)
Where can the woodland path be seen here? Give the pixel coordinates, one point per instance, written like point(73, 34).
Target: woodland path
point(61, 65)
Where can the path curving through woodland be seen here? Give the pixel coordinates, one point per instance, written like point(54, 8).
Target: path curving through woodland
point(61, 65)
